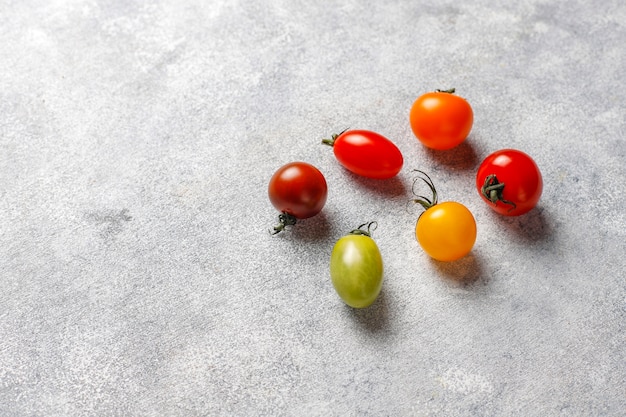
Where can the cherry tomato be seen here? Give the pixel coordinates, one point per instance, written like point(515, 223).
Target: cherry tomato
point(366, 153)
point(441, 120)
point(356, 268)
point(446, 231)
point(298, 190)
point(510, 181)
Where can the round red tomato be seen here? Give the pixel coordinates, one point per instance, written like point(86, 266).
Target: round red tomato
point(366, 153)
point(441, 120)
point(510, 181)
point(298, 190)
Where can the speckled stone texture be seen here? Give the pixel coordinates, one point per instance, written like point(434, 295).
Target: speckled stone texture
point(137, 274)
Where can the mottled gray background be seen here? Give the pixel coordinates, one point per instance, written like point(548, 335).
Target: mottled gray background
point(138, 277)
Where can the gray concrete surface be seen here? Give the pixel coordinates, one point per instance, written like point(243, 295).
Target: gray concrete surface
point(138, 277)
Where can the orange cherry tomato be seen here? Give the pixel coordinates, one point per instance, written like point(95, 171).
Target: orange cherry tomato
point(441, 120)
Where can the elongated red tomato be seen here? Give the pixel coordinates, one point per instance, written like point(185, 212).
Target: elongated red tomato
point(366, 153)
point(510, 181)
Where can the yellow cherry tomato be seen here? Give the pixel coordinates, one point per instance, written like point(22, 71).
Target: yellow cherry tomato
point(446, 231)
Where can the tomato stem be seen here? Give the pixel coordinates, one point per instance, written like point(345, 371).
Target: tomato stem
point(284, 219)
point(368, 232)
point(492, 190)
point(449, 91)
point(422, 200)
point(333, 138)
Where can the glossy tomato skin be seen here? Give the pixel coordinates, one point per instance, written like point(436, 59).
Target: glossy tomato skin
point(298, 189)
point(441, 120)
point(446, 231)
point(356, 270)
point(521, 183)
point(368, 154)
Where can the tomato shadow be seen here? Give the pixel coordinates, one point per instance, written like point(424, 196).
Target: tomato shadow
point(314, 229)
point(387, 188)
point(532, 227)
point(460, 158)
point(466, 272)
point(375, 318)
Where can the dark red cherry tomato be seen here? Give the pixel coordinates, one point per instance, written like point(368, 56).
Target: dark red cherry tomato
point(510, 181)
point(298, 190)
point(366, 153)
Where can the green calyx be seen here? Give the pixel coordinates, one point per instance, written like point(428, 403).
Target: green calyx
point(333, 138)
point(424, 201)
point(284, 220)
point(371, 226)
point(492, 190)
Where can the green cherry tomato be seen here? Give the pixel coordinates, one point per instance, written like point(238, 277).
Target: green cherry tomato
point(356, 268)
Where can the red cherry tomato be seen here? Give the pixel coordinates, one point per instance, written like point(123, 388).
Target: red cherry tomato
point(366, 153)
point(510, 181)
point(298, 190)
point(441, 120)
